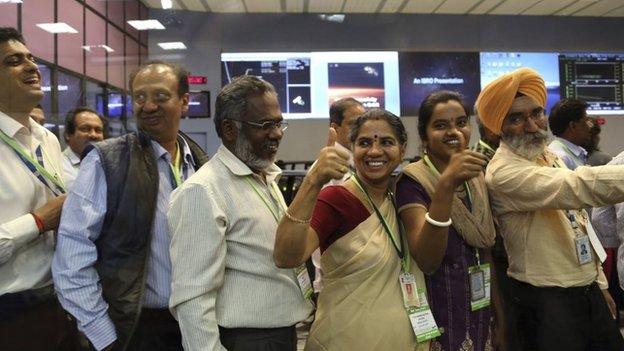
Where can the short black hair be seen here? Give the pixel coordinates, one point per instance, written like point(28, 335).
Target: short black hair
point(231, 102)
point(425, 112)
point(70, 120)
point(180, 73)
point(378, 114)
point(338, 108)
point(564, 112)
point(10, 33)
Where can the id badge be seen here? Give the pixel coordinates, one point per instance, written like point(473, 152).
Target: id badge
point(303, 279)
point(423, 323)
point(479, 277)
point(408, 288)
point(583, 249)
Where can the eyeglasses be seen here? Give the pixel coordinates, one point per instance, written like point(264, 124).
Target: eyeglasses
point(519, 118)
point(265, 126)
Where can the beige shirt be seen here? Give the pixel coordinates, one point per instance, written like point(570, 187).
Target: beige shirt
point(223, 236)
point(529, 198)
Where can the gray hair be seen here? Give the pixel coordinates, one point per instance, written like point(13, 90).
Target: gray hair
point(231, 102)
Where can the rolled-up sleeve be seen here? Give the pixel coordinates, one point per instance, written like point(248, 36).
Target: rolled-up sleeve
point(197, 227)
point(75, 279)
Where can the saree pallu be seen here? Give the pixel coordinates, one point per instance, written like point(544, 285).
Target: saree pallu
point(361, 304)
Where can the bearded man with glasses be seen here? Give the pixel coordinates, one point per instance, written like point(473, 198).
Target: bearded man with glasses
point(226, 291)
point(559, 289)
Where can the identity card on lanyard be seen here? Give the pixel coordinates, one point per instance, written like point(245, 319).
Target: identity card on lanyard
point(414, 299)
point(301, 272)
point(479, 279)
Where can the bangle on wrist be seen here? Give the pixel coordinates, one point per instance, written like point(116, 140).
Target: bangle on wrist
point(38, 222)
point(297, 220)
point(435, 223)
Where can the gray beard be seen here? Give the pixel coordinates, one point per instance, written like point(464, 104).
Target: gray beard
point(244, 151)
point(528, 145)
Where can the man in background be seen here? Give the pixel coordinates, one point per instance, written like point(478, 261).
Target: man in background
point(83, 125)
point(572, 129)
point(38, 115)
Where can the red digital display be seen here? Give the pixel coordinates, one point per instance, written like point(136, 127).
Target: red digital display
point(197, 80)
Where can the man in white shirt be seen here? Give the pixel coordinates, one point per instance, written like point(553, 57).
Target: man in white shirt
point(31, 198)
point(572, 128)
point(225, 289)
point(82, 126)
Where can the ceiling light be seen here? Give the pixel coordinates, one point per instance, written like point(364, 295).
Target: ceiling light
point(56, 28)
point(166, 4)
point(10, 1)
point(174, 45)
point(337, 18)
point(101, 46)
point(146, 24)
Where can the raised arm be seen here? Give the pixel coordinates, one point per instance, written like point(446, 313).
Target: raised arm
point(296, 240)
point(427, 242)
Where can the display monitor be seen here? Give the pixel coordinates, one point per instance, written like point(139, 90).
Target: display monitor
point(115, 105)
point(425, 72)
point(308, 82)
point(596, 78)
point(288, 72)
point(495, 64)
point(199, 104)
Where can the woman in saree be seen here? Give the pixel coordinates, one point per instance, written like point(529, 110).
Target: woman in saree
point(444, 205)
point(363, 249)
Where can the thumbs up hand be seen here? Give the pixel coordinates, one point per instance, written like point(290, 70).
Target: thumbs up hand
point(464, 164)
point(332, 163)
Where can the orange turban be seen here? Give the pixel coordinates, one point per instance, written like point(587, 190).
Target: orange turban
point(496, 98)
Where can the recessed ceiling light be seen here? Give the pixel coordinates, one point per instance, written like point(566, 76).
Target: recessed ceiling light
point(10, 1)
point(100, 46)
point(166, 4)
point(146, 24)
point(56, 28)
point(337, 18)
point(174, 45)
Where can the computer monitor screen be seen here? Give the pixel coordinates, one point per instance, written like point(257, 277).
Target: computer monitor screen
point(289, 73)
point(115, 105)
point(199, 104)
point(495, 64)
point(308, 82)
point(596, 78)
point(425, 72)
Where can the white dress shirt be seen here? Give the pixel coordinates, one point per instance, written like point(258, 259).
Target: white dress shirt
point(25, 256)
point(71, 165)
point(222, 255)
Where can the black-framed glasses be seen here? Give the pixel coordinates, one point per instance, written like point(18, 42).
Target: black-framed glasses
point(265, 126)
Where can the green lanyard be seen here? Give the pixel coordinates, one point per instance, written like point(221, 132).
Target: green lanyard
point(486, 146)
point(175, 167)
point(44, 172)
point(264, 199)
point(400, 249)
point(437, 173)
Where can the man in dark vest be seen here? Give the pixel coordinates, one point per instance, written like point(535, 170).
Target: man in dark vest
point(112, 269)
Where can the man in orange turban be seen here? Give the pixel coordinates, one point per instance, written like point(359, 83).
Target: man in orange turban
point(559, 288)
